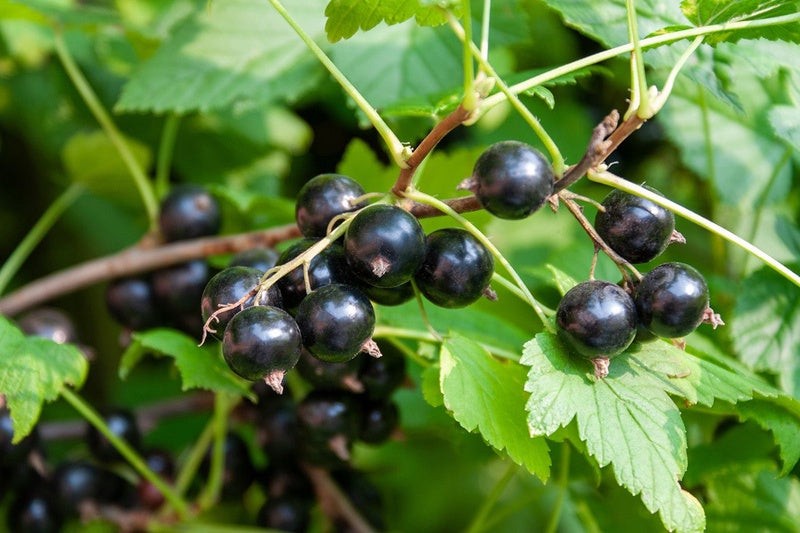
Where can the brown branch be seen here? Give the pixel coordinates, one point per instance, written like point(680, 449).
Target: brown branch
point(463, 204)
point(333, 502)
point(445, 126)
point(135, 260)
point(596, 152)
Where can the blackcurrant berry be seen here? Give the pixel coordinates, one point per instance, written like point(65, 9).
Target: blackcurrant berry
point(634, 227)
point(328, 266)
point(322, 198)
point(259, 258)
point(131, 302)
point(277, 425)
point(122, 423)
point(76, 482)
point(335, 321)
point(262, 342)
point(511, 179)
point(285, 479)
point(597, 318)
point(227, 287)
point(328, 423)
point(384, 245)
point(379, 419)
point(323, 375)
point(34, 512)
point(12, 455)
point(671, 300)
point(188, 211)
point(456, 269)
point(388, 295)
point(179, 288)
point(160, 463)
point(50, 324)
point(383, 375)
point(285, 514)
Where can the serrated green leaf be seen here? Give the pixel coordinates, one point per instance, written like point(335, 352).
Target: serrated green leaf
point(564, 281)
point(627, 420)
point(766, 327)
point(91, 159)
point(34, 370)
point(346, 17)
point(200, 367)
point(784, 425)
point(785, 120)
point(431, 390)
point(232, 50)
point(706, 12)
point(484, 394)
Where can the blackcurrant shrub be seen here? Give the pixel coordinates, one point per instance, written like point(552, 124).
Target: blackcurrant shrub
point(322, 198)
point(335, 321)
point(259, 258)
point(122, 424)
point(262, 342)
point(329, 266)
point(634, 227)
point(671, 300)
point(49, 323)
point(379, 420)
point(456, 269)
point(597, 318)
point(383, 375)
point(131, 302)
point(187, 212)
point(384, 245)
point(328, 422)
point(323, 375)
point(285, 514)
point(227, 287)
point(511, 179)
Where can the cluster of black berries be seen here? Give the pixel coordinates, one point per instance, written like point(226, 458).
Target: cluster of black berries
point(599, 319)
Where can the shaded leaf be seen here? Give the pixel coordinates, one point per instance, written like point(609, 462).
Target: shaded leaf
point(34, 370)
point(785, 120)
point(346, 17)
point(783, 424)
point(707, 12)
point(485, 394)
point(564, 281)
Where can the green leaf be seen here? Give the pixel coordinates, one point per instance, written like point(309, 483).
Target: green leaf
point(34, 370)
point(785, 119)
point(63, 13)
point(346, 17)
point(92, 159)
point(564, 281)
point(200, 367)
point(766, 327)
point(431, 389)
point(232, 50)
point(485, 394)
point(707, 12)
point(784, 425)
point(627, 420)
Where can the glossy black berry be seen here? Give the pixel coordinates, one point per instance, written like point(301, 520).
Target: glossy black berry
point(285, 479)
point(384, 245)
point(49, 323)
point(328, 422)
point(636, 228)
point(323, 375)
point(456, 269)
point(672, 299)
point(321, 199)
point(11, 455)
point(262, 342)
point(122, 423)
point(229, 286)
point(597, 318)
point(285, 514)
point(160, 462)
point(335, 321)
point(328, 266)
point(379, 420)
point(512, 180)
point(238, 471)
point(132, 303)
point(187, 212)
point(76, 482)
point(34, 512)
point(388, 295)
point(179, 288)
point(383, 375)
point(259, 258)
point(277, 428)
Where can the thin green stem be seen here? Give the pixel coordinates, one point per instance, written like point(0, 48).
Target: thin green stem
point(639, 88)
point(222, 406)
point(470, 101)
point(659, 101)
point(166, 148)
point(130, 455)
point(612, 180)
point(512, 287)
point(611, 53)
point(562, 480)
point(144, 185)
point(423, 198)
point(396, 148)
point(37, 233)
point(415, 334)
point(485, 23)
point(552, 148)
point(479, 520)
point(192, 462)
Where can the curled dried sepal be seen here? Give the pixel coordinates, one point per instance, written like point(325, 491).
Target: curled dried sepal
point(710, 317)
point(275, 380)
point(601, 363)
point(371, 348)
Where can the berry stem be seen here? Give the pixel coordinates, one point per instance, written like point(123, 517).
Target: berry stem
point(53, 212)
point(195, 457)
point(607, 178)
point(596, 151)
point(115, 136)
point(640, 96)
point(223, 404)
point(512, 287)
point(470, 101)
point(562, 481)
point(418, 196)
point(334, 502)
point(477, 524)
point(396, 148)
point(415, 334)
point(125, 450)
point(166, 148)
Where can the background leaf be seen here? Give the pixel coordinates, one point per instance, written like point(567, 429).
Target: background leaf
point(705, 12)
point(346, 17)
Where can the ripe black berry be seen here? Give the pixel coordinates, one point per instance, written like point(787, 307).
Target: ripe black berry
point(260, 258)
point(335, 321)
point(122, 424)
point(285, 514)
point(131, 302)
point(277, 425)
point(383, 375)
point(379, 419)
point(388, 295)
point(321, 199)
point(281, 479)
point(76, 482)
point(34, 512)
point(323, 375)
point(12, 455)
point(227, 287)
point(328, 266)
point(188, 211)
point(179, 288)
point(512, 179)
point(262, 342)
point(49, 323)
point(597, 318)
point(456, 270)
point(384, 245)
point(328, 423)
point(636, 228)
point(672, 299)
